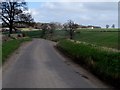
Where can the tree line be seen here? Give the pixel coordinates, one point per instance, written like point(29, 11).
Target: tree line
point(48, 29)
point(113, 26)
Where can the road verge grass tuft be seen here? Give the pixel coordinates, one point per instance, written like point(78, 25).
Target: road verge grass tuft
point(105, 64)
point(10, 46)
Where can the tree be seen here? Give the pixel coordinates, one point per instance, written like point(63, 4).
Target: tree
point(107, 26)
point(113, 26)
point(11, 10)
point(53, 27)
point(70, 27)
point(58, 25)
point(45, 28)
point(65, 26)
point(25, 20)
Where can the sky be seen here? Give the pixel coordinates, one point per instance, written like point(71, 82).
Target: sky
point(83, 13)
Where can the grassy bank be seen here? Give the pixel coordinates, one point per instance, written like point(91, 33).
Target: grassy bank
point(105, 64)
point(9, 47)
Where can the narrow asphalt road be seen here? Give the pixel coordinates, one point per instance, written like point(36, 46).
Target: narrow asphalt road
point(39, 65)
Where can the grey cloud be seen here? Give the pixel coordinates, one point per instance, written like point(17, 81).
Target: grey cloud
point(93, 13)
point(102, 6)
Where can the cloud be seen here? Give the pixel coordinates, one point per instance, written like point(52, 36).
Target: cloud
point(72, 1)
point(102, 6)
point(81, 12)
point(34, 12)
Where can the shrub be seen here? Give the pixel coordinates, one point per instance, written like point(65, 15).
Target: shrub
point(23, 34)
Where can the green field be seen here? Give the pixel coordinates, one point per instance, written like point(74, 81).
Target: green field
point(100, 30)
point(33, 34)
point(107, 38)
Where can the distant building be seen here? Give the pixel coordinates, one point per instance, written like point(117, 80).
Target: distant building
point(81, 26)
point(92, 27)
point(89, 27)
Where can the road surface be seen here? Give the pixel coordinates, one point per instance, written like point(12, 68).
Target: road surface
point(39, 65)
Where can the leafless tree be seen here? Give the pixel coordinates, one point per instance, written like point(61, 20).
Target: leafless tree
point(107, 26)
point(45, 28)
point(70, 27)
point(25, 19)
point(52, 29)
point(11, 10)
point(113, 26)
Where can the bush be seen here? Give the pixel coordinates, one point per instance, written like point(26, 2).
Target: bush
point(23, 34)
point(18, 35)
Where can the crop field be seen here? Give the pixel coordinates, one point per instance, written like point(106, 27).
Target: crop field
point(100, 37)
point(108, 39)
point(100, 30)
point(33, 34)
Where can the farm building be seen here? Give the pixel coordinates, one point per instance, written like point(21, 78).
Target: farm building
point(88, 27)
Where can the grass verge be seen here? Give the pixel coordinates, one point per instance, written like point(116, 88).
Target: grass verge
point(9, 47)
point(105, 64)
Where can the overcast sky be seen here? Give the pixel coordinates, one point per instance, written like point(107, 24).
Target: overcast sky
point(85, 13)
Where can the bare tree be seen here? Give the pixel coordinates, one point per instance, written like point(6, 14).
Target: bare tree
point(65, 25)
point(45, 28)
point(11, 9)
point(52, 29)
point(107, 26)
point(25, 19)
point(70, 27)
point(113, 26)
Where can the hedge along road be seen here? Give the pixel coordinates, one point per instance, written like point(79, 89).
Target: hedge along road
point(38, 65)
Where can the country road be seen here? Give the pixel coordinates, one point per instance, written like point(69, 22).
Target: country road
point(39, 65)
